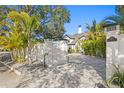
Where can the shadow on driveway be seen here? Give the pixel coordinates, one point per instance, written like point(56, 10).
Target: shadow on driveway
point(90, 62)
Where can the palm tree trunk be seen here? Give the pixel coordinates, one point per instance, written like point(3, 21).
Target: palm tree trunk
point(12, 56)
point(20, 55)
point(24, 55)
point(29, 52)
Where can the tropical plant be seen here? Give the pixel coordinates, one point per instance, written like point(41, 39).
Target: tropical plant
point(21, 34)
point(118, 18)
point(95, 27)
point(95, 44)
point(117, 78)
point(95, 47)
point(52, 18)
point(28, 25)
point(13, 42)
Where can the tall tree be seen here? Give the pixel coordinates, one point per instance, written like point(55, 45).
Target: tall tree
point(3, 14)
point(95, 27)
point(4, 10)
point(57, 16)
point(52, 18)
point(95, 30)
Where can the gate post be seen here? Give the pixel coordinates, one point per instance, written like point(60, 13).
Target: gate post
point(44, 62)
point(112, 32)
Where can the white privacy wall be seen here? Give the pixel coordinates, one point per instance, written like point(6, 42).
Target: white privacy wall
point(121, 51)
point(56, 50)
point(114, 52)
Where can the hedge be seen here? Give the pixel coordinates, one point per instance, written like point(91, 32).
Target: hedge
point(95, 47)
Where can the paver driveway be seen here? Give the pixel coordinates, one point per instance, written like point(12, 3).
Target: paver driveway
point(81, 71)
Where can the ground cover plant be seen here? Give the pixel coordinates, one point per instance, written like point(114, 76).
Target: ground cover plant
point(117, 78)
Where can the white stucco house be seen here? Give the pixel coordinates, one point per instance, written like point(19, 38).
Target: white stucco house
point(73, 40)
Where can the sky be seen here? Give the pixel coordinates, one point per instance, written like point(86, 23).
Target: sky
point(80, 15)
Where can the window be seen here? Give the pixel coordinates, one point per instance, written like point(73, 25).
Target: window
point(112, 28)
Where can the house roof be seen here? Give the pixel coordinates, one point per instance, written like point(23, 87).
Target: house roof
point(76, 37)
point(68, 36)
point(113, 24)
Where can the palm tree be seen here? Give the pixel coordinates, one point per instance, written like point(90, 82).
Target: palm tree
point(14, 41)
point(95, 29)
point(118, 18)
point(22, 30)
point(52, 18)
point(28, 25)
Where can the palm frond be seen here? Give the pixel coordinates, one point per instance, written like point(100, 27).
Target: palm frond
point(113, 19)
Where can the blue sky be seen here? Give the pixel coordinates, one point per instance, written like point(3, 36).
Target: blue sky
point(80, 15)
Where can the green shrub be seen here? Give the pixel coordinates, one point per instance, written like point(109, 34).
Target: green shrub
point(95, 47)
